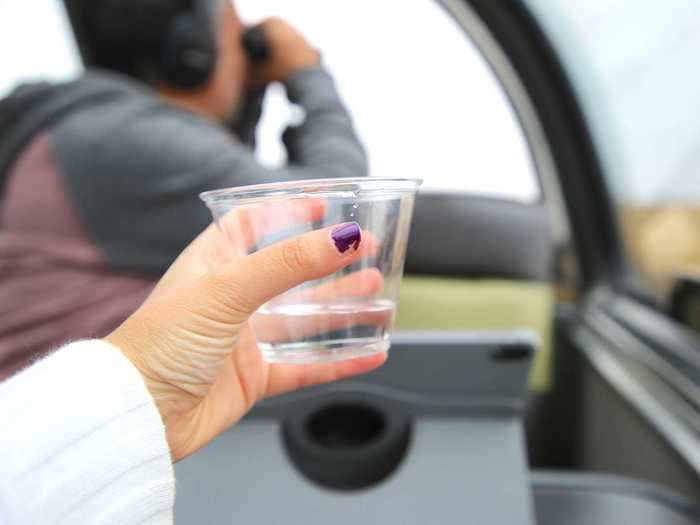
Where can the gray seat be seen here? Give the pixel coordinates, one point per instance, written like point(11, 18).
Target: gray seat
point(599, 499)
point(490, 238)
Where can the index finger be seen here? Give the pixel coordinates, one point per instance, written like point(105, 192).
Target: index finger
point(252, 281)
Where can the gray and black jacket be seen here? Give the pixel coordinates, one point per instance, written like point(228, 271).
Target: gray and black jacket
point(133, 165)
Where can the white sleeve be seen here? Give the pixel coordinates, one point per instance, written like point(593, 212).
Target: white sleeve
point(81, 441)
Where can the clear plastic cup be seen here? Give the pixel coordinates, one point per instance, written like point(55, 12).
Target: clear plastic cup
point(350, 313)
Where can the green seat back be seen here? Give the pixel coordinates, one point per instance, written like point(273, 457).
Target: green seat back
point(436, 303)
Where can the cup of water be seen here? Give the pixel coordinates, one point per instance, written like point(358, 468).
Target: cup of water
point(348, 314)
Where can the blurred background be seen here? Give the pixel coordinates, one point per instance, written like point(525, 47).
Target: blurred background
point(636, 82)
point(427, 104)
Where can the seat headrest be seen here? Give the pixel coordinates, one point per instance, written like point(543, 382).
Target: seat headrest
point(477, 237)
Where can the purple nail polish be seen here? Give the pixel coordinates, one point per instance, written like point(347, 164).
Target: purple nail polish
point(346, 236)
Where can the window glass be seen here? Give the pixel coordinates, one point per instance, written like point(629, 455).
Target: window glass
point(636, 71)
point(37, 43)
point(424, 100)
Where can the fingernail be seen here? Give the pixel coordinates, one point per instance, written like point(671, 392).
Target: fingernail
point(346, 236)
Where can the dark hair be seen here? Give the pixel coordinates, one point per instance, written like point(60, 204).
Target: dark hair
point(127, 36)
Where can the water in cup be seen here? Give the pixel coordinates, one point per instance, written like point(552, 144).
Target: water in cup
point(323, 331)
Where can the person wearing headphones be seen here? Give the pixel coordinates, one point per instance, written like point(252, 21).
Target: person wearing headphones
point(99, 177)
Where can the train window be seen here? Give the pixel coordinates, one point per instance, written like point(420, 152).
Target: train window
point(423, 98)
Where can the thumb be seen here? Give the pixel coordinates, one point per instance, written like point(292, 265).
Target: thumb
point(240, 288)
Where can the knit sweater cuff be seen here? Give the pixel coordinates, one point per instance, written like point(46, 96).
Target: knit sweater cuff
point(83, 442)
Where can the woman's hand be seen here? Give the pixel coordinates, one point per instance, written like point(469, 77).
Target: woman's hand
point(191, 340)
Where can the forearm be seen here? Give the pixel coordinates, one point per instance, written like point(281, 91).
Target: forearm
point(326, 141)
point(83, 442)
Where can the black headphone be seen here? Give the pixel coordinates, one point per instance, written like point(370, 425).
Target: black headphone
point(190, 49)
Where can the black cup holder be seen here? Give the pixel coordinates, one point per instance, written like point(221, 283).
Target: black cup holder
point(347, 444)
point(345, 427)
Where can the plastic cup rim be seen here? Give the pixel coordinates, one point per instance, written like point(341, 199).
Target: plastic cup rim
point(314, 188)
